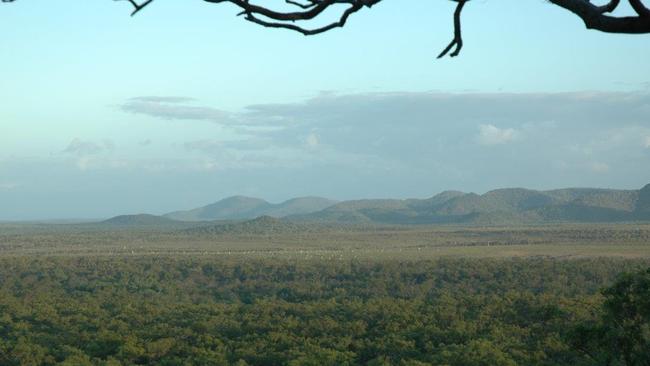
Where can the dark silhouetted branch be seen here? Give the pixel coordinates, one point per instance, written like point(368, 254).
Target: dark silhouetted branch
point(608, 8)
point(303, 11)
point(594, 16)
point(137, 7)
point(458, 36)
point(640, 9)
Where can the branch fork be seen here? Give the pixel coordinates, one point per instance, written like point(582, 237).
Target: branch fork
point(303, 11)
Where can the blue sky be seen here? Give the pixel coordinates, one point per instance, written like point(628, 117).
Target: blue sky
point(184, 104)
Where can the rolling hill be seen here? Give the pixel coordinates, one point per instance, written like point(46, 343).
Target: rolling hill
point(243, 208)
point(501, 206)
point(138, 220)
point(505, 206)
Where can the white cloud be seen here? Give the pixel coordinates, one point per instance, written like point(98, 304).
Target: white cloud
point(81, 147)
point(312, 141)
point(598, 167)
point(492, 135)
point(88, 155)
point(647, 142)
point(84, 163)
point(175, 108)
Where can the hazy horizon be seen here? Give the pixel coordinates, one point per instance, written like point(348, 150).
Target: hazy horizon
point(83, 218)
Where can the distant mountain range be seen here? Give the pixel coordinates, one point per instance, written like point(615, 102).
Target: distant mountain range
point(497, 207)
point(240, 207)
point(501, 206)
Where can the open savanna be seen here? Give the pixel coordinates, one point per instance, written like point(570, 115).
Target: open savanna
point(271, 293)
point(629, 240)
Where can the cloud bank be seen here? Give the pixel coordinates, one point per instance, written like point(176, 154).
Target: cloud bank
point(174, 108)
point(341, 146)
point(542, 139)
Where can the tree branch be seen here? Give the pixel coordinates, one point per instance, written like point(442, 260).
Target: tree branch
point(594, 17)
point(640, 9)
point(137, 7)
point(458, 37)
point(610, 7)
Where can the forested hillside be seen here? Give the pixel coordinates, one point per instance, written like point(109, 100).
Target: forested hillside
point(500, 207)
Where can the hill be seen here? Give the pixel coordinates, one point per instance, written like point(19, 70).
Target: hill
point(138, 220)
point(233, 208)
point(243, 208)
point(498, 207)
point(642, 205)
point(504, 206)
point(299, 206)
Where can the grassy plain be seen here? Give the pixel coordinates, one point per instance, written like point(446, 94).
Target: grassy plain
point(631, 240)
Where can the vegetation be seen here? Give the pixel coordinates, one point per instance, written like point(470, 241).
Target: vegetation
point(621, 334)
point(164, 311)
point(267, 237)
point(263, 225)
point(269, 292)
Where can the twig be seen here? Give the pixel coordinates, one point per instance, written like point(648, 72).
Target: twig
point(458, 36)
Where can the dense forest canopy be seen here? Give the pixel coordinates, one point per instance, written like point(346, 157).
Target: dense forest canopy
point(165, 311)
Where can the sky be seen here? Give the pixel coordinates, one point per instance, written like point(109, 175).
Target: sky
point(184, 104)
